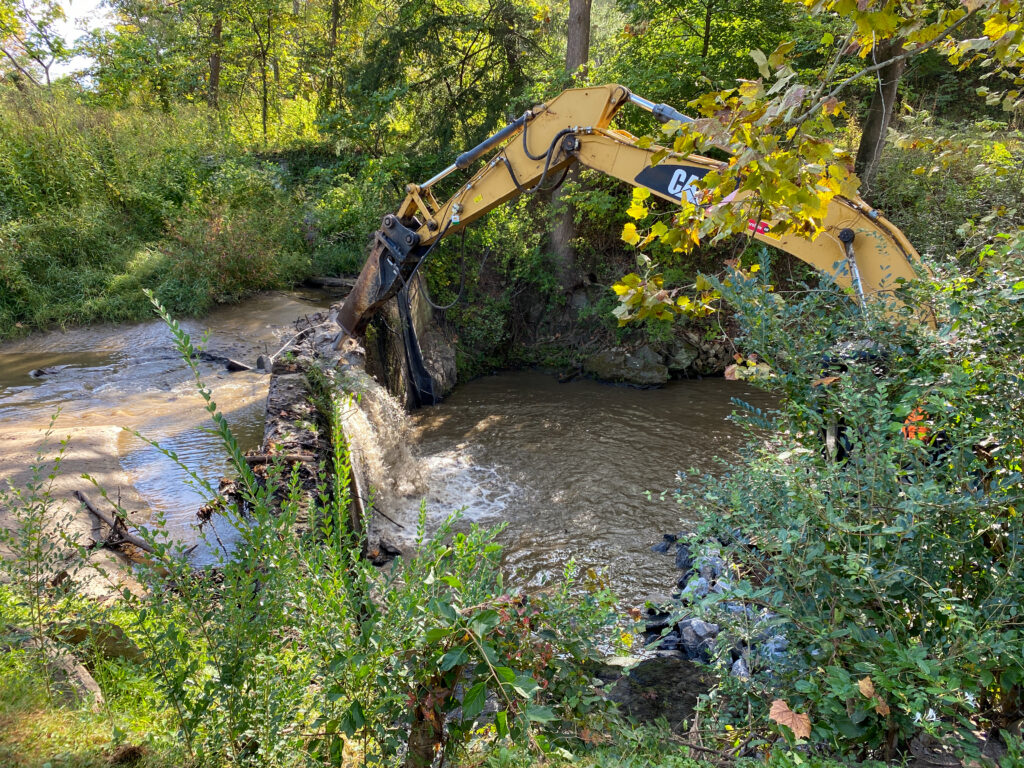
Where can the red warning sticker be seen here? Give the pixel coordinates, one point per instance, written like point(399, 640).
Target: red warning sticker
point(761, 228)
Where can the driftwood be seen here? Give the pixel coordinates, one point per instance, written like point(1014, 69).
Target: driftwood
point(232, 365)
point(116, 525)
point(332, 282)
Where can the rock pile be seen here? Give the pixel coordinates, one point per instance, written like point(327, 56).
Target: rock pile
point(741, 637)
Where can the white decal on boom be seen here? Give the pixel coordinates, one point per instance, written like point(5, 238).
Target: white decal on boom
point(682, 181)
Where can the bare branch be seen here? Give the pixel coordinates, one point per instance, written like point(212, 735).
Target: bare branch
point(880, 65)
point(21, 69)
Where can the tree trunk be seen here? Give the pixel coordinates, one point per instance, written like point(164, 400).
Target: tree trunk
point(577, 46)
point(264, 97)
point(706, 44)
point(265, 88)
point(327, 99)
point(426, 732)
point(577, 53)
point(213, 92)
point(876, 124)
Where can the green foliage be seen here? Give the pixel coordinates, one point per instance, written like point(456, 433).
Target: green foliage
point(96, 204)
point(880, 525)
point(709, 40)
point(348, 209)
point(293, 647)
point(947, 186)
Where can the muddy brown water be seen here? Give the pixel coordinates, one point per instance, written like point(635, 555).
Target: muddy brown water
point(578, 470)
point(568, 467)
point(132, 376)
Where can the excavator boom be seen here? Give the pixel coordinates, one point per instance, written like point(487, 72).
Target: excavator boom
point(858, 247)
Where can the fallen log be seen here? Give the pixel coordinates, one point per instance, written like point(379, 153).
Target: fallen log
point(116, 526)
point(332, 282)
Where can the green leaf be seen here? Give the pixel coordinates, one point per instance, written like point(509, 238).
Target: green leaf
point(437, 633)
point(505, 674)
point(484, 622)
point(540, 714)
point(524, 685)
point(454, 658)
point(442, 608)
point(353, 719)
point(473, 702)
point(501, 722)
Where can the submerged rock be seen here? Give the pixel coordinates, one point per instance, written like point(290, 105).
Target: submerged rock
point(642, 368)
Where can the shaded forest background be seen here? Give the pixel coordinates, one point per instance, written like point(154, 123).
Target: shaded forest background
point(209, 150)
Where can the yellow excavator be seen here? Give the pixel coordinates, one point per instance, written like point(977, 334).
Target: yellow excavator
point(859, 248)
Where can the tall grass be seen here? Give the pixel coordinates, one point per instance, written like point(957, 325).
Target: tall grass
point(97, 203)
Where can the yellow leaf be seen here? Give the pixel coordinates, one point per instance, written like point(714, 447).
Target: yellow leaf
point(996, 26)
point(778, 57)
point(630, 235)
point(799, 724)
point(636, 211)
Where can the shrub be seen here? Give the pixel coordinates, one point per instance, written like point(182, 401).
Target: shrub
point(892, 565)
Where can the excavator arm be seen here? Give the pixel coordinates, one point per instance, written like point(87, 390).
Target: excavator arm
point(858, 246)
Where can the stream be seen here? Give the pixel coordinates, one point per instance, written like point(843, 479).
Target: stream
point(567, 467)
point(578, 470)
point(132, 376)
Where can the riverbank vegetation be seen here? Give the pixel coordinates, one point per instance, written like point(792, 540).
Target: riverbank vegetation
point(214, 150)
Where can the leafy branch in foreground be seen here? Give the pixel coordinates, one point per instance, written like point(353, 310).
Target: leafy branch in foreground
point(783, 167)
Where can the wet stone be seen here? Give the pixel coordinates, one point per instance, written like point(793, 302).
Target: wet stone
point(684, 560)
point(710, 566)
point(695, 589)
point(740, 669)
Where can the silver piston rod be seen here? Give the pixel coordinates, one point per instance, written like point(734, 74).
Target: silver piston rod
point(663, 112)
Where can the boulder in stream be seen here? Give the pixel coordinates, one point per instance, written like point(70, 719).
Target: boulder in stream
point(642, 367)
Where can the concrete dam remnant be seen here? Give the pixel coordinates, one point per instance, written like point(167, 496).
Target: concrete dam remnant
point(321, 367)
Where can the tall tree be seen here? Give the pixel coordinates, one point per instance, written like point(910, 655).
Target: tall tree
point(577, 54)
point(29, 40)
point(213, 84)
point(880, 111)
